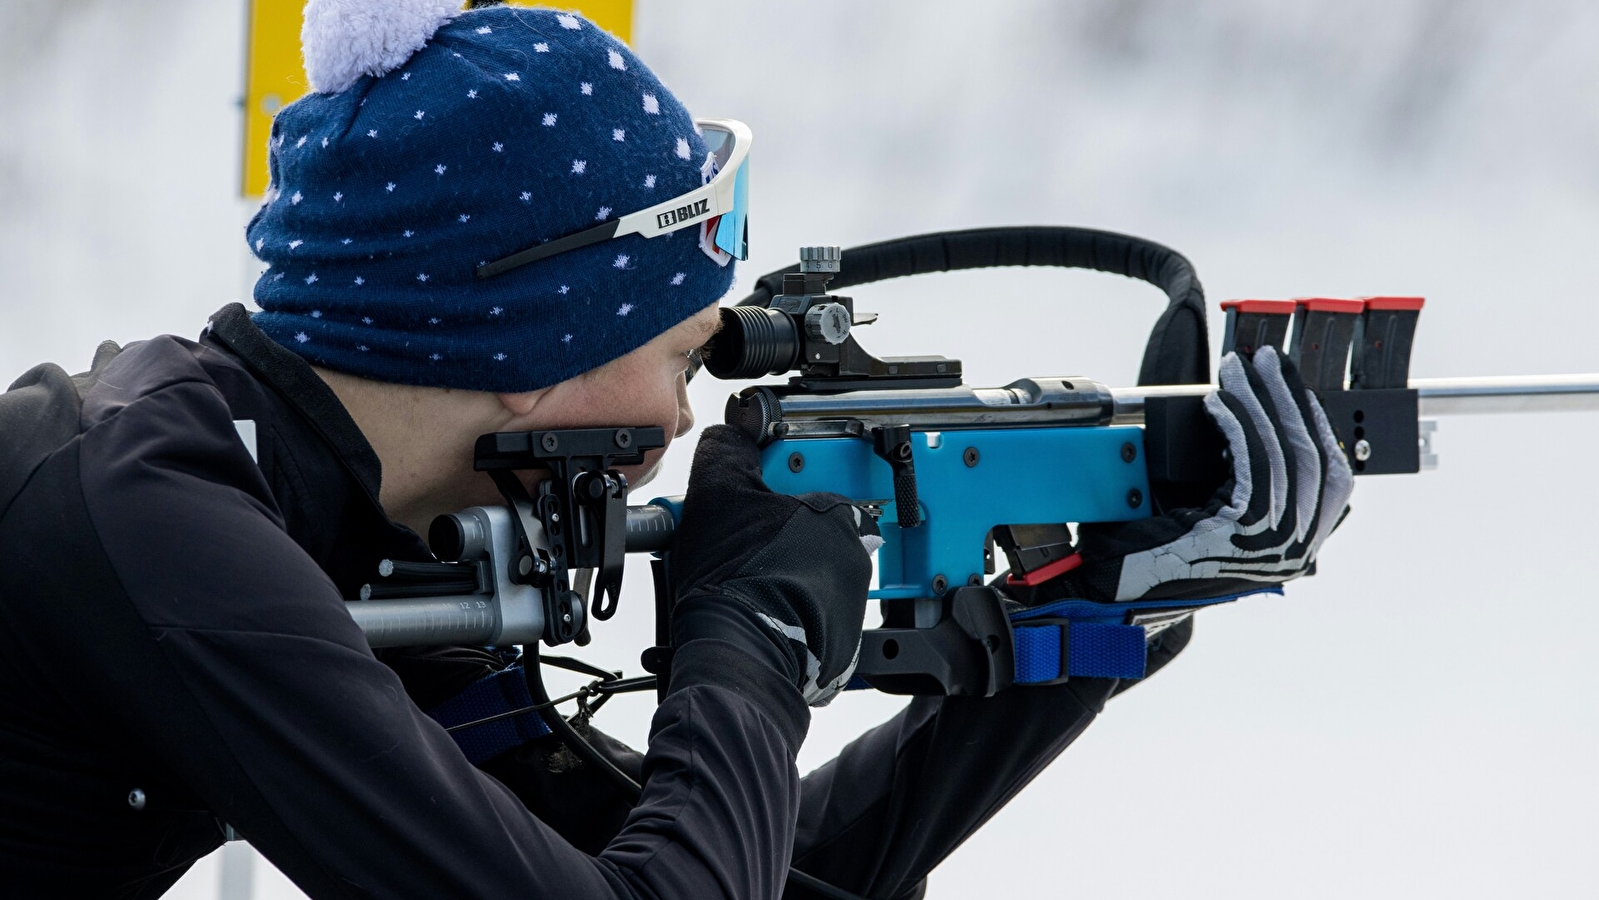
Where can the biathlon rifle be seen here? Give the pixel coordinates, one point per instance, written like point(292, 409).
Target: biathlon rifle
point(958, 475)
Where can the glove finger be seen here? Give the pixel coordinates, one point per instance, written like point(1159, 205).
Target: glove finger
point(1281, 538)
point(865, 524)
point(726, 460)
point(1229, 417)
point(1274, 373)
point(1234, 377)
point(1250, 502)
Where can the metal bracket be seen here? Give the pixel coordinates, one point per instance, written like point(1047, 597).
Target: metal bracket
point(582, 508)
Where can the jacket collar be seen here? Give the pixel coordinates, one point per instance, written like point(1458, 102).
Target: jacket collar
point(293, 379)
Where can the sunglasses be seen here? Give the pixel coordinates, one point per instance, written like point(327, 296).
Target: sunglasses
point(720, 205)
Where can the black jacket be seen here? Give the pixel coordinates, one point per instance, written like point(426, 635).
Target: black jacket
point(172, 620)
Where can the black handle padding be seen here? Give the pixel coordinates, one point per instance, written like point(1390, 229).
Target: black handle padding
point(1178, 351)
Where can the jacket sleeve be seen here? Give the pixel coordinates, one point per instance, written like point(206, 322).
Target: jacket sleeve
point(899, 799)
point(260, 692)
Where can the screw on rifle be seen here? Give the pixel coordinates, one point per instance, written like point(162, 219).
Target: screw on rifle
point(550, 442)
point(970, 457)
point(1129, 452)
point(940, 584)
point(1135, 498)
point(1362, 450)
point(624, 438)
point(136, 798)
point(974, 580)
point(796, 462)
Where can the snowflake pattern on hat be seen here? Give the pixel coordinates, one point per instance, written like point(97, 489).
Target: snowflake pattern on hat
point(510, 127)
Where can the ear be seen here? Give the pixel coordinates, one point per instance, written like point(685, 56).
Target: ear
point(521, 405)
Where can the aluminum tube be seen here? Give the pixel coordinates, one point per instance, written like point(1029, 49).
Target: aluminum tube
point(431, 621)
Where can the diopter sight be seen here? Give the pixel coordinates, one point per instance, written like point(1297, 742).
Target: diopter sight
point(805, 328)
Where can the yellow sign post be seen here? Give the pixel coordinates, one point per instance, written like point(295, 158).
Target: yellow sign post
point(274, 76)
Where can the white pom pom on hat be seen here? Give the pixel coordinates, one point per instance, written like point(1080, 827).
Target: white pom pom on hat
point(345, 39)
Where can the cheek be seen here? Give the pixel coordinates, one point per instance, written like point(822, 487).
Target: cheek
point(632, 395)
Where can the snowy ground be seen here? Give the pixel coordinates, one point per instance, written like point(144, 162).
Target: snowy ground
point(1412, 722)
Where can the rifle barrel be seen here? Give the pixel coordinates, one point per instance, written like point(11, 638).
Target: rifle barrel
point(1438, 396)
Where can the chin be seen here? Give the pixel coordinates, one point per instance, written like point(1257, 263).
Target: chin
point(637, 476)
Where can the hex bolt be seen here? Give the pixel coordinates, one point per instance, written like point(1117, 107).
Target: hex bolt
point(136, 798)
point(970, 457)
point(1129, 452)
point(550, 442)
point(1362, 450)
point(796, 462)
point(940, 584)
point(1135, 498)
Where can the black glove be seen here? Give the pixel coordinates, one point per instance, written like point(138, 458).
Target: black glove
point(1289, 488)
point(801, 565)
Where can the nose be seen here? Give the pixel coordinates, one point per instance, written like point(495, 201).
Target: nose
point(685, 412)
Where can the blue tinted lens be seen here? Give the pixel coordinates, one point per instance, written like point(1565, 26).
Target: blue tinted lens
point(731, 231)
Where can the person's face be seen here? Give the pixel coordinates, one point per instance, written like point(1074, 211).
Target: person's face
point(645, 387)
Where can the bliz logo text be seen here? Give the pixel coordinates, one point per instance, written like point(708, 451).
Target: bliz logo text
point(683, 213)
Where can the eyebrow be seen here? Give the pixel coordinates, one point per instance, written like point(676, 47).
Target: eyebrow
point(706, 333)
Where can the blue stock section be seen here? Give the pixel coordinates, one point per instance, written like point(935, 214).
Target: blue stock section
point(1021, 476)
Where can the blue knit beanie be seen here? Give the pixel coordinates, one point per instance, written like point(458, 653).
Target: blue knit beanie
point(452, 139)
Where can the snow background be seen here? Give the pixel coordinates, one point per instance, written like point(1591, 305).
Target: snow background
point(1412, 721)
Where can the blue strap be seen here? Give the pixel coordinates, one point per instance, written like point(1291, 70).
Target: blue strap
point(1097, 643)
point(1093, 650)
point(491, 695)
